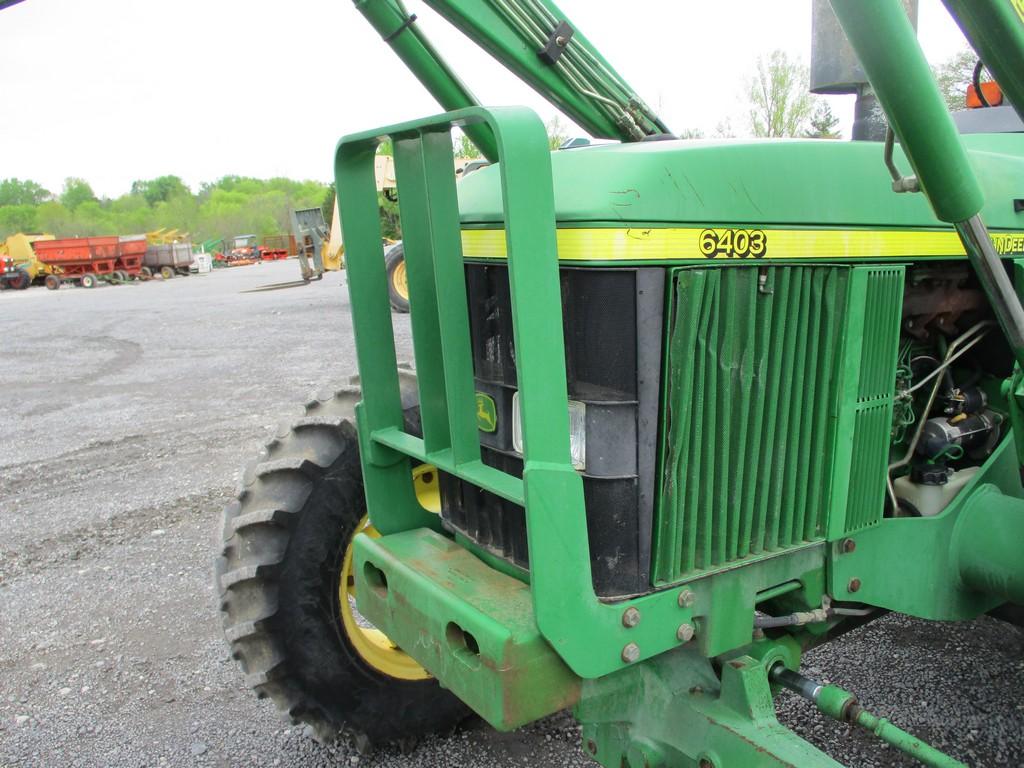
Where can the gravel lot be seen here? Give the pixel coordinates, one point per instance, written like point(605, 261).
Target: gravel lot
point(128, 413)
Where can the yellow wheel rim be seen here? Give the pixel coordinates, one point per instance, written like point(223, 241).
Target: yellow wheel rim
point(372, 645)
point(428, 492)
point(400, 281)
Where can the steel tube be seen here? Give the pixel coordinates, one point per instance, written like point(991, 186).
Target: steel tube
point(903, 741)
point(802, 686)
point(995, 282)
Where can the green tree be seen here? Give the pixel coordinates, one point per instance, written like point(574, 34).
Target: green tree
point(780, 104)
point(557, 132)
point(390, 223)
point(823, 123)
point(160, 189)
point(18, 192)
point(691, 133)
point(18, 218)
point(465, 148)
point(133, 214)
point(76, 191)
point(54, 218)
point(327, 206)
point(954, 75)
point(232, 205)
point(181, 212)
point(90, 218)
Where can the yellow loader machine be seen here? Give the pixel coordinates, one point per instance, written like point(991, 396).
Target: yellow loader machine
point(681, 411)
point(19, 266)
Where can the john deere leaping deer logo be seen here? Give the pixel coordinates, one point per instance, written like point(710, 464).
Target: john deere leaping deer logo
point(486, 413)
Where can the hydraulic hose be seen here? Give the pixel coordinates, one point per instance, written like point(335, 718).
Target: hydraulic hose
point(843, 706)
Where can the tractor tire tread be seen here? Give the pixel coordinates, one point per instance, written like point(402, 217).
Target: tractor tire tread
point(392, 259)
point(277, 518)
point(253, 578)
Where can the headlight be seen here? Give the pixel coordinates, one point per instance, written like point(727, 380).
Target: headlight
point(577, 431)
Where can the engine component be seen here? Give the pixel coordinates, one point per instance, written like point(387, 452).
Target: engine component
point(936, 299)
point(976, 434)
point(956, 349)
point(965, 400)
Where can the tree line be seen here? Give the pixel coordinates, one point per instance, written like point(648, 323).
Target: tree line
point(229, 206)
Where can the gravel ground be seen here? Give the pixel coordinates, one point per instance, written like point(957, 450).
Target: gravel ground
point(128, 413)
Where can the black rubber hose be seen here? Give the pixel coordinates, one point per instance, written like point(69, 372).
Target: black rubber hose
point(977, 83)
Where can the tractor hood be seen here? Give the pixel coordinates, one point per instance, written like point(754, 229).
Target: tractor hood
point(779, 182)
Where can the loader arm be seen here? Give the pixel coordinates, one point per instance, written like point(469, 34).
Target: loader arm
point(537, 43)
point(889, 51)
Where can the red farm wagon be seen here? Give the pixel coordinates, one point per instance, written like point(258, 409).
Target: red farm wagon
point(81, 259)
point(130, 257)
point(86, 260)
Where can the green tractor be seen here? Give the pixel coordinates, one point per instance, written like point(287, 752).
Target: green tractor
point(680, 412)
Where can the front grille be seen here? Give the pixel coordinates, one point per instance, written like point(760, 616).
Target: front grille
point(612, 328)
point(763, 390)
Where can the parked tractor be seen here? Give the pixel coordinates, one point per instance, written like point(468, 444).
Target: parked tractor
point(681, 410)
point(244, 250)
point(13, 276)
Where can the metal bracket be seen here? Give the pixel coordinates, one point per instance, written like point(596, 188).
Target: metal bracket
point(556, 44)
point(900, 183)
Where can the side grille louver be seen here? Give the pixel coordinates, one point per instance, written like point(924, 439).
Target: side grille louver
point(758, 374)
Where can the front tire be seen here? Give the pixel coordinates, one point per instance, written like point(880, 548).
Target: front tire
point(286, 540)
point(398, 283)
point(22, 281)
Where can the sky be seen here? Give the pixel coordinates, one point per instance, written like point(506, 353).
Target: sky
point(117, 90)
